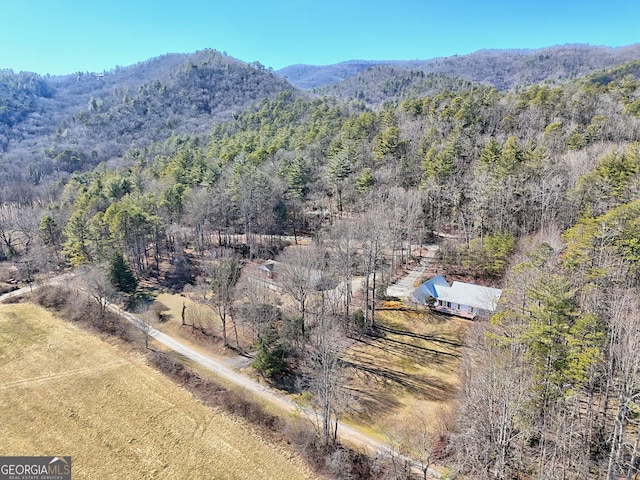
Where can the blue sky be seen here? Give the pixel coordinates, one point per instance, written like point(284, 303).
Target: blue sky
point(66, 36)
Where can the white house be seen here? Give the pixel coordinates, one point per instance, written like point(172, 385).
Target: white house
point(462, 299)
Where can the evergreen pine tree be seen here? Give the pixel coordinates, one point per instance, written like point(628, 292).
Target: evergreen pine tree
point(121, 275)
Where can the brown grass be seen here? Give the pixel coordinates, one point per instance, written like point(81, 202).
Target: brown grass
point(67, 392)
point(410, 366)
point(208, 340)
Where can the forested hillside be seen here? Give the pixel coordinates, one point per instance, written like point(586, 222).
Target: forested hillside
point(533, 189)
point(503, 69)
point(58, 125)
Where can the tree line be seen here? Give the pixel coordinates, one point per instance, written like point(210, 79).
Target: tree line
point(535, 190)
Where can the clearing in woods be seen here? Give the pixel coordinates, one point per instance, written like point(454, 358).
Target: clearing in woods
point(64, 391)
point(409, 370)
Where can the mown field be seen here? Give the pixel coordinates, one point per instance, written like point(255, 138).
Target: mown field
point(64, 391)
point(409, 370)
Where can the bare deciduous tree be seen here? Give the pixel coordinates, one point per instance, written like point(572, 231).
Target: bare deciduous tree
point(224, 276)
point(99, 287)
point(372, 236)
point(296, 272)
point(198, 206)
point(324, 372)
point(624, 372)
point(342, 241)
point(494, 396)
point(259, 306)
point(146, 319)
point(422, 435)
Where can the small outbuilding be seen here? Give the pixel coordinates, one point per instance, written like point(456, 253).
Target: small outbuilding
point(269, 268)
point(465, 300)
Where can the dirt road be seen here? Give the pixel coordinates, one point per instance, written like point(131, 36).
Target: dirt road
point(346, 433)
point(59, 280)
point(406, 285)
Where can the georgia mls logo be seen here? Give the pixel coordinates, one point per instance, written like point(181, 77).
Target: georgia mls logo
point(35, 468)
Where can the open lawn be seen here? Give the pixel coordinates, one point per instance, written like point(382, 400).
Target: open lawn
point(201, 315)
point(409, 369)
point(64, 391)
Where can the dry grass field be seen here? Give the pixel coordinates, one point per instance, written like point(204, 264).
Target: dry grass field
point(410, 370)
point(205, 317)
point(202, 315)
point(64, 391)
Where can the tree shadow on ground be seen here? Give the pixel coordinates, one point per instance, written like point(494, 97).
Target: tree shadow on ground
point(428, 338)
point(366, 403)
point(427, 386)
point(409, 352)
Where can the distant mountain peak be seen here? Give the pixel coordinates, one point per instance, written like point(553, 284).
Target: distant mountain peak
point(502, 68)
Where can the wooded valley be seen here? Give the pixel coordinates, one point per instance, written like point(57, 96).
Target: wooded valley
point(183, 172)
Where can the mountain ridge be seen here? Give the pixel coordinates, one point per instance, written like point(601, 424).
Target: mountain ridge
point(72, 122)
point(592, 57)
